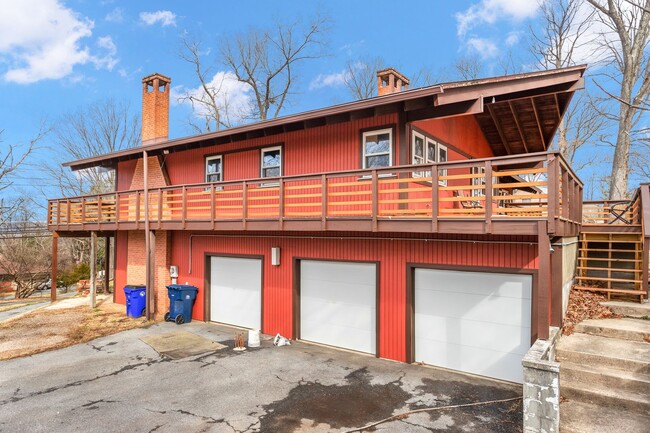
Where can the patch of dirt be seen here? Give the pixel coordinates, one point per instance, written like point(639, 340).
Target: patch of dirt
point(43, 330)
point(585, 305)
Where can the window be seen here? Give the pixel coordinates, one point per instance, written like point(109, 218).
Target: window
point(377, 148)
point(271, 162)
point(213, 169)
point(478, 181)
point(428, 151)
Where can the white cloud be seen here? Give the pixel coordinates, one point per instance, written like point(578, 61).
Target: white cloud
point(512, 38)
point(490, 11)
point(483, 47)
point(108, 60)
point(42, 39)
point(115, 16)
point(230, 93)
point(329, 80)
point(165, 18)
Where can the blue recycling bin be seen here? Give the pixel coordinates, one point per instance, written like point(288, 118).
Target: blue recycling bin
point(181, 300)
point(136, 300)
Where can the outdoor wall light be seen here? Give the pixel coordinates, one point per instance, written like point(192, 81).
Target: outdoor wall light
point(275, 256)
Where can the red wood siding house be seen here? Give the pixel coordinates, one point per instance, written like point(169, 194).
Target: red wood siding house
point(390, 226)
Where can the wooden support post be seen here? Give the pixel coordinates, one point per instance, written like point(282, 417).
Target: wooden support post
point(543, 280)
point(556, 285)
point(55, 256)
point(151, 261)
point(148, 268)
point(107, 262)
point(93, 269)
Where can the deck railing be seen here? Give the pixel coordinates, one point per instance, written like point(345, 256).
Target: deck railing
point(613, 212)
point(535, 186)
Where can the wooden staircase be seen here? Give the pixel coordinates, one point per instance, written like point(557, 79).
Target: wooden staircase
point(614, 253)
point(611, 262)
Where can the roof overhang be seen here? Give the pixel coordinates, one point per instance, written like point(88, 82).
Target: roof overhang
point(517, 113)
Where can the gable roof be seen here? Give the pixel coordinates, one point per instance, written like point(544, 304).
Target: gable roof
point(517, 114)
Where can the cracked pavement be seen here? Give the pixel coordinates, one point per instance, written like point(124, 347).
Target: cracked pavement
point(119, 383)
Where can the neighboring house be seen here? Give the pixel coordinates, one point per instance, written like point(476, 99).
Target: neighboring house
point(414, 226)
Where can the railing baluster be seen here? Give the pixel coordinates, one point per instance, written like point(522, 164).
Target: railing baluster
point(281, 203)
point(323, 215)
point(137, 209)
point(212, 205)
point(552, 188)
point(184, 205)
point(488, 196)
point(244, 209)
point(435, 184)
point(375, 199)
point(159, 216)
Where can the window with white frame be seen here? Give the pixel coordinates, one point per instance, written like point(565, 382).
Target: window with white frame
point(271, 162)
point(213, 169)
point(478, 181)
point(377, 148)
point(425, 150)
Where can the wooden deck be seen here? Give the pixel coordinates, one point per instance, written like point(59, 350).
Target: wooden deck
point(505, 195)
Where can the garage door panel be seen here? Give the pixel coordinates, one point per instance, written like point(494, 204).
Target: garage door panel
point(355, 273)
point(474, 360)
point(337, 304)
point(475, 282)
point(487, 308)
point(354, 316)
point(236, 291)
point(492, 336)
point(473, 321)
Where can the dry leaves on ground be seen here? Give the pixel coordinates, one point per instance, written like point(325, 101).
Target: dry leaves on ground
point(43, 330)
point(584, 305)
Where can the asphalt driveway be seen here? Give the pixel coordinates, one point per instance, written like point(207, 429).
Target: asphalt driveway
point(121, 384)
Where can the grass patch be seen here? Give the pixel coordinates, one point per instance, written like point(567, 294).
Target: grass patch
point(12, 307)
point(43, 330)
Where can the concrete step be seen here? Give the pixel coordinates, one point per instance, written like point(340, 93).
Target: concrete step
point(597, 394)
point(624, 329)
point(608, 377)
point(576, 417)
point(583, 349)
point(629, 309)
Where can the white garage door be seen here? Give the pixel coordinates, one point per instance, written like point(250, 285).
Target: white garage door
point(337, 304)
point(473, 321)
point(236, 291)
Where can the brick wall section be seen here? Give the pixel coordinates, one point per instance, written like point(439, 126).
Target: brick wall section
point(135, 264)
point(155, 108)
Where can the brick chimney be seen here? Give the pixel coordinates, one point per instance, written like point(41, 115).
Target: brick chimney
point(155, 108)
point(390, 81)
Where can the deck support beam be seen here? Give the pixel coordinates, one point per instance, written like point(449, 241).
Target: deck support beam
point(55, 256)
point(93, 269)
point(107, 262)
point(149, 266)
point(543, 281)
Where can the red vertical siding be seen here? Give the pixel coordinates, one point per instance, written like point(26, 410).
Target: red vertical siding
point(461, 132)
point(314, 150)
point(393, 256)
point(125, 172)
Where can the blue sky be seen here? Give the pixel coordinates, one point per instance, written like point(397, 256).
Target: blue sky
point(57, 56)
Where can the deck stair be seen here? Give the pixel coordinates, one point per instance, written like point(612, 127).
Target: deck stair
point(605, 373)
point(612, 263)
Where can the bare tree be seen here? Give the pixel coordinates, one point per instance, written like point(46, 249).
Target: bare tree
point(625, 38)
point(25, 250)
point(267, 60)
point(360, 77)
point(210, 102)
point(562, 38)
point(468, 67)
point(96, 129)
point(12, 157)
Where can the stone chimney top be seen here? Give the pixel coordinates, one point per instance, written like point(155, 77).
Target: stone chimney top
point(155, 108)
point(390, 81)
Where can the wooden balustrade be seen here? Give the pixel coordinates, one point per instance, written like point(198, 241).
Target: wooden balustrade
point(529, 187)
